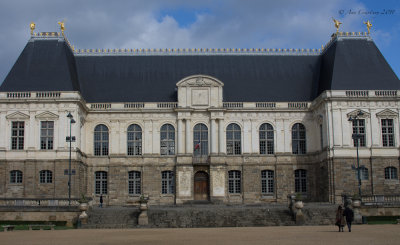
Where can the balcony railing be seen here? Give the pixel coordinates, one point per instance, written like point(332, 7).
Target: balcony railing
point(380, 200)
point(200, 159)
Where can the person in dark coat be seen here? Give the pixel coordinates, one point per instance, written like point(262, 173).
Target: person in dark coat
point(340, 220)
point(101, 201)
point(349, 214)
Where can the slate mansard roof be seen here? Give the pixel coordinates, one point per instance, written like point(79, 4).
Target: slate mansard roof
point(49, 64)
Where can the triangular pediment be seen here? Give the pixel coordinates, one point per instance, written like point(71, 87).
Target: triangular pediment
point(18, 116)
point(356, 113)
point(387, 113)
point(47, 116)
point(199, 81)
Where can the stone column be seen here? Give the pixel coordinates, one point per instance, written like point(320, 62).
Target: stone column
point(221, 138)
point(3, 125)
point(188, 138)
point(180, 137)
point(214, 146)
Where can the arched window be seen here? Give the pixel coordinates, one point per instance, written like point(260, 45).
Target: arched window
point(15, 177)
point(134, 183)
point(298, 139)
point(101, 140)
point(167, 182)
point(233, 139)
point(200, 140)
point(266, 139)
point(234, 181)
point(391, 173)
point(45, 176)
point(100, 182)
point(267, 182)
point(167, 140)
point(300, 181)
point(134, 140)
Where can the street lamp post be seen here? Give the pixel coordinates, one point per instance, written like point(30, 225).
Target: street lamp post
point(356, 136)
point(70, 139)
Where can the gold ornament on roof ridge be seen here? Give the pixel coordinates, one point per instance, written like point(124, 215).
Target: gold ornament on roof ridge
point(32, 25)
point(62, 26)
point(369, 25)
point(337, 24)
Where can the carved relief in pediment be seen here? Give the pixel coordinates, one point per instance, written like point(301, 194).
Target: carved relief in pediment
point(17, 116)
point(356, 113)
point(386, 114)
point(199, 81)
point(46, 116)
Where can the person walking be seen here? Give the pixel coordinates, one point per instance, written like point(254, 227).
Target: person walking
point(340, 220)
point(101, 201)
point(349, 214)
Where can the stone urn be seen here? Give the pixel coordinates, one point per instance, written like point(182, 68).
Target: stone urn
point(299, 204)
point(84, 206)
point(357, 212)
point(83, 217)
point(143, 219)
point(356, 203)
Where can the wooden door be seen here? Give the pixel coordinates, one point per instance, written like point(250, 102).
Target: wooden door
point(201, 186)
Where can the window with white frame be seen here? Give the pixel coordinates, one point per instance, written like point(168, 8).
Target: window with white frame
point(200, 140)
point(101, 140)
point(101, 182)
point(359, 129)
point(298, 139)
point(234, 182)
point(167, 182)
point(267, 182)
point(15, 177)
point(266, 134)
point(134, 183)
point(300, 181)
point(391, 173)
point(45, 176)
point(17, 135)
point(233, 139)
point(387, 132)
point(46, 135)
point(134, 140)
point(167, 140)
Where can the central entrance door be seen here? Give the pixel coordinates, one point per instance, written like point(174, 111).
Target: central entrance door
point(201, 188)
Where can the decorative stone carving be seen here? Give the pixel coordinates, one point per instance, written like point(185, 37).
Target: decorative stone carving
point(356, 112)
point(17, 116)
point(46, 116)
point(386, 114)
point(199, 81)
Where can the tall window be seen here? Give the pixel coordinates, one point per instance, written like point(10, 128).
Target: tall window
point(391, 173)
point(134, 140)
point(298, 139)
point(364, 175)
point(101, 182)
point(101, 140)
point(387, 132)
point(167, 138)
point(134, 183)
point(321, 136)
point(359, 128)
point(234, 181)
point(15, 177)
point(200, 140)
point(300, 181)
point(233, 139)
point(267, 182)
point(17, 135)
point(266, 139)
point(167, 182)
point(46, 176)
point(46, 135)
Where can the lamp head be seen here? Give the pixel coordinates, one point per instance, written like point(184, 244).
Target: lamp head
point(350, 119)
point(72, 120)
point(69, 115)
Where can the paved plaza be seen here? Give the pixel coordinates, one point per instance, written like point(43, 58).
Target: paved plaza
point(361, 234)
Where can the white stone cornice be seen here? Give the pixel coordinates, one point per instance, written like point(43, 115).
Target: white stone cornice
point(18, 116)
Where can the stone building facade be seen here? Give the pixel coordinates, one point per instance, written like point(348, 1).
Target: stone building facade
point(225, 126)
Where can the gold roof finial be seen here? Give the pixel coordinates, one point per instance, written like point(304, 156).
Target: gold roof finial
point(337, 24)
point(369, 25)
point(32, 25)
point(62, 26)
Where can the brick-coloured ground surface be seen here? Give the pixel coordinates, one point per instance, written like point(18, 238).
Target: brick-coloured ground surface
point(361, 234)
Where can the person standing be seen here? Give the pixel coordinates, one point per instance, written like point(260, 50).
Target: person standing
point(101, 201)
point(349, 214)
point(340, 220)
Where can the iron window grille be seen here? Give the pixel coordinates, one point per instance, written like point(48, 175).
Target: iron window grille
point(101, 182)
point(266, 134)
point(233, 139)
point(298, 139)
point(46, 176)
point(200, 140)
point(300, 181)
point(234, 182)
point(391, 173)
point(359, 129)
point(167, 182)
point(17, 135)
point(15, 177)
point(134, 140)
point(134, 183)
point(101, 140)
point(267, 182)
point(167, 140)
point(387, 132)
point(46, 135)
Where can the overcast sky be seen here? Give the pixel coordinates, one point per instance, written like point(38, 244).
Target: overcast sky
point(197, 24)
